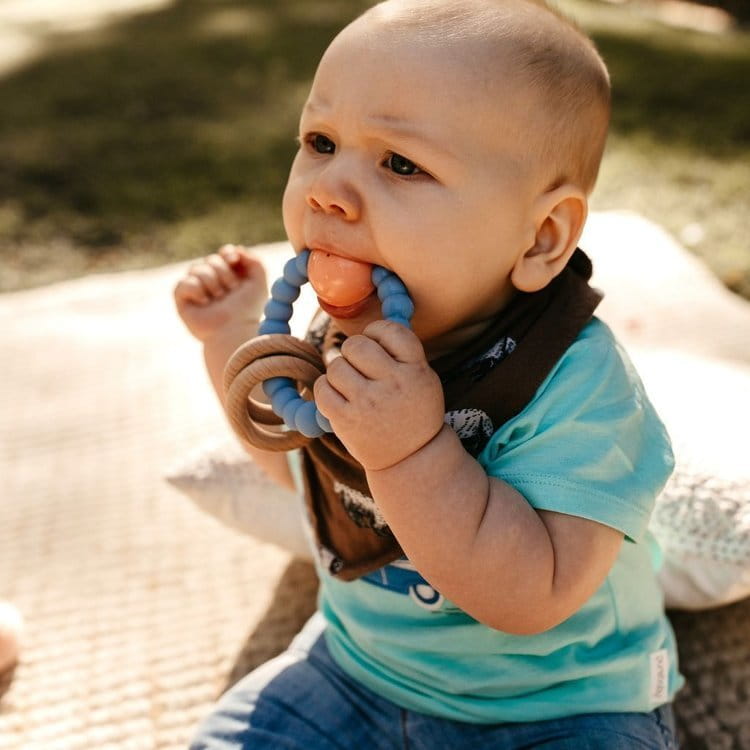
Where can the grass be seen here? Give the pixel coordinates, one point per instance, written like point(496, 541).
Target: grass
point(679, 150)
point(162, 136)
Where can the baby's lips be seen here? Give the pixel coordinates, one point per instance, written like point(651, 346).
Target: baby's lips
point(337, 280)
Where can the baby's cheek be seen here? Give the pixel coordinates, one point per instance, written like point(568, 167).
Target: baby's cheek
point(292, 210)
point(429, 315)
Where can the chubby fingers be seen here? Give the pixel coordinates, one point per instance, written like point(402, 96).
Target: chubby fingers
point(190, 289)
point(213, 274)
point(348, 376)
point(400, 342)
point(367, 356)
point(344, 378)
point(239, 261)
point(328, 400)
point(373, 355)
point(217, 274)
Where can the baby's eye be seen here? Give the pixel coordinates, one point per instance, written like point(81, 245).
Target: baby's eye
point(321, 144)
point(401, 165)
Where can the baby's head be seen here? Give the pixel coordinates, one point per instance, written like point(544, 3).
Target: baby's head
point(454, 142)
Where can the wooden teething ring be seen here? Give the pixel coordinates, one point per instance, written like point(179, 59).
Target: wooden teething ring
point(279, 360)
point(257, 360)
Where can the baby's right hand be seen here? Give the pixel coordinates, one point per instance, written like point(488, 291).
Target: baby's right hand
point(222, 291)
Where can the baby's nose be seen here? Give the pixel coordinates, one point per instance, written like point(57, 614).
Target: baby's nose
point(332, 195)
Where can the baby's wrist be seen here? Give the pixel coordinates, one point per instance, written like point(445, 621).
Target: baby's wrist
point(238, 331)
point(403, 462)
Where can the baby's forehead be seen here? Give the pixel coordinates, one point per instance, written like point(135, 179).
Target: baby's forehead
point(461, 64)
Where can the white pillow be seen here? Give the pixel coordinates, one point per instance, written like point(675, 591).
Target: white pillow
point(222, 480)
point(702, 518)
point(703, 525)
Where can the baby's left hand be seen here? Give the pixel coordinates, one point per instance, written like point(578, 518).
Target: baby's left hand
point(383, 399)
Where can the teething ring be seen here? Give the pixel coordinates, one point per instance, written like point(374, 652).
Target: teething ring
point(278, 360)
point(256, 361)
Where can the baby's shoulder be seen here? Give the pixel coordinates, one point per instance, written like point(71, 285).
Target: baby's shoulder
point(596, 361)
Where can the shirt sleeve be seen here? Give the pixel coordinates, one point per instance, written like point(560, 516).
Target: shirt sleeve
point(590, 443)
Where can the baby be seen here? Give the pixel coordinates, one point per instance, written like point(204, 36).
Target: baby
point(480, 514)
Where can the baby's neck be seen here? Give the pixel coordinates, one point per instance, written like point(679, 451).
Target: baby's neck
point(454, 340)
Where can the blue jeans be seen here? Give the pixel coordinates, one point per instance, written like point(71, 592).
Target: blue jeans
point(301, 700)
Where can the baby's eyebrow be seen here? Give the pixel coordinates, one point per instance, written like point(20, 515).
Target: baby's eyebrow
point(315, 107)
point(390, 125)
point(407, 131)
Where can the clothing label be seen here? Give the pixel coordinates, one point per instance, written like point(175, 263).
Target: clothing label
point(659, 691)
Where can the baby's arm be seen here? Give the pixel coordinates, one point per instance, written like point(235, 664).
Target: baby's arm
point(220, 299)
point(479, 542)
point(474, 538)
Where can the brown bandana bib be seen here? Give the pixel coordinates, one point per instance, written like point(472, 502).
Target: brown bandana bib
point(485, 384)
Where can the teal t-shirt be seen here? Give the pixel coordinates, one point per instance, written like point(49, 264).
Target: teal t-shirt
point(589, 444)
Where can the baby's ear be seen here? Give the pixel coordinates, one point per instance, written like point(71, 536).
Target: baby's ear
point(559, 216)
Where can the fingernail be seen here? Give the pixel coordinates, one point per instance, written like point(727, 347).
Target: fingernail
point(239, 268)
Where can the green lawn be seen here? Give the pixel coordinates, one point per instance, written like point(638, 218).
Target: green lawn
point(164, 135)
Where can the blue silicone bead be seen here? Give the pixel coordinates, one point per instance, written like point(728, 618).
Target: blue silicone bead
point(273, 326)
point(276, 310)
point(301, 262)
point(281, 399)
point(325, 425)
point(390, 285)
point(398, 305)
point(288, 412)
point(304, 420)
point(292, 274)
point(283, 291)
point(378, 274)
point(272, 385)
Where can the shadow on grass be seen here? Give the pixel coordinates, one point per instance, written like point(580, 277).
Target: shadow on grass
point(680, 96)
point(160, 117)
point(173, 131)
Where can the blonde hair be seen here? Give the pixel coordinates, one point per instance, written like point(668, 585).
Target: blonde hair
point(553, 58)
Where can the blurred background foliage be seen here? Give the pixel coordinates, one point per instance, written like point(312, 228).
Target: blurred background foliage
point(160, 135)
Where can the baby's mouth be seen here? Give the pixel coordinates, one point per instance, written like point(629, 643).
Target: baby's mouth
point(347, 311)
point(344, 286)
